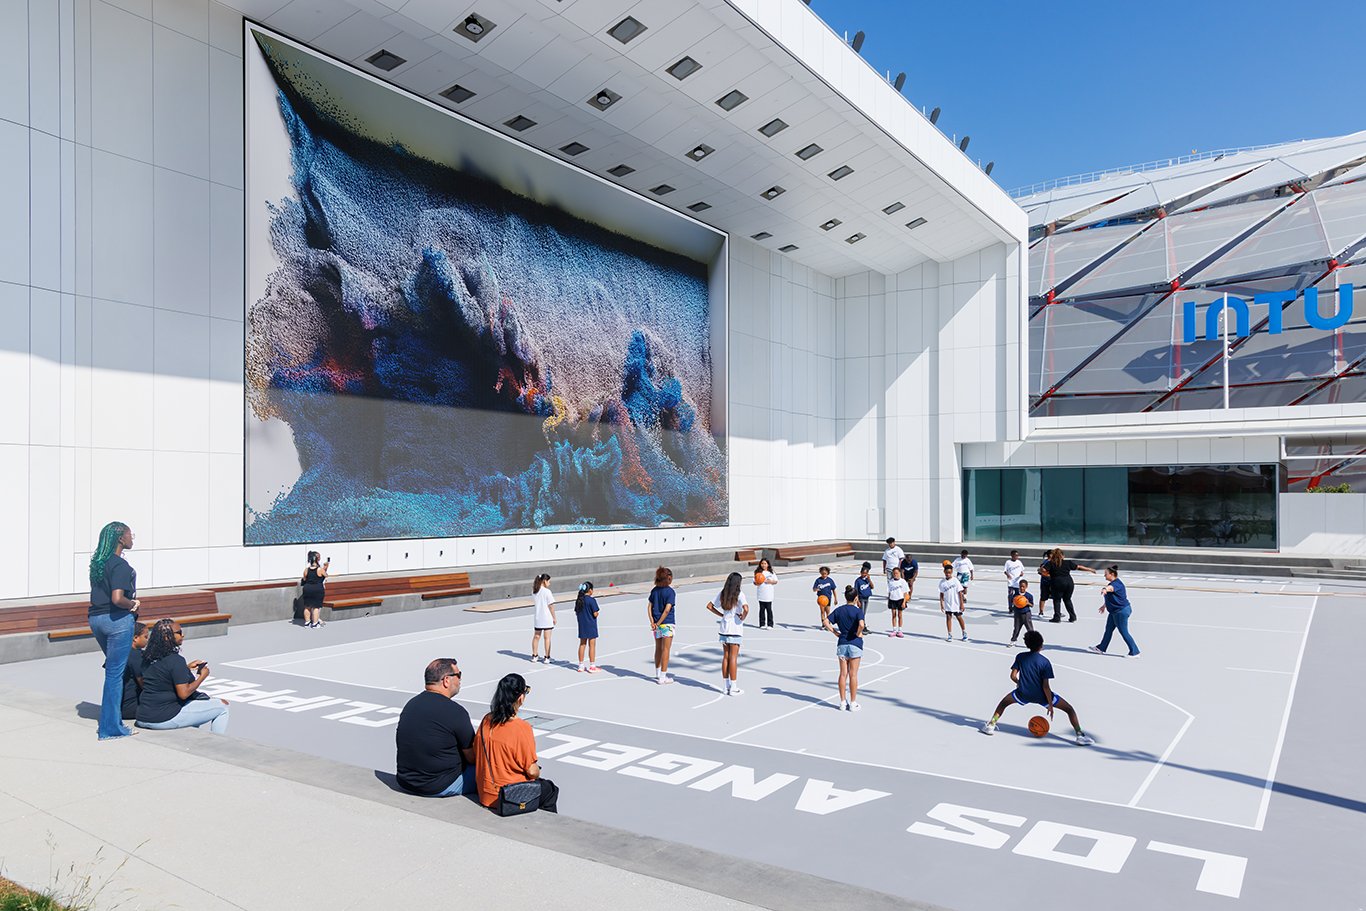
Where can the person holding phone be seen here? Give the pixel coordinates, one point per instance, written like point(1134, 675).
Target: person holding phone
point(170, 686)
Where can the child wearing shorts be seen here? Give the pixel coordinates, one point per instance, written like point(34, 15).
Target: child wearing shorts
point(732, 608)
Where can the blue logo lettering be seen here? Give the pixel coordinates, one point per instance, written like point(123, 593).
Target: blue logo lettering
point(1241, 325)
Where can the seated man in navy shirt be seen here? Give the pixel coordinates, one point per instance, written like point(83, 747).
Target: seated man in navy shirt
point(1031, 673)
point(434, 737)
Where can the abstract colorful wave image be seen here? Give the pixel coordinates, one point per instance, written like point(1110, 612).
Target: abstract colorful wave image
point(453, 359)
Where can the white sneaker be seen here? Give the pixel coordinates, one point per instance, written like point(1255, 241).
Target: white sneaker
point(988, 729)
point(854, 707)
point(1084, 741)
point(1135, 655)
point(965, 637)
point(1094, 648)
point(736, 691)
point(844, 706)
point(665, 679)
point(948, 638)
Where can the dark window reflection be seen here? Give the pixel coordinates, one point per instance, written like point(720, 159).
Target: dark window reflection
point(1206, 506)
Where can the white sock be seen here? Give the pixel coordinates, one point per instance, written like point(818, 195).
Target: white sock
point(726, 681)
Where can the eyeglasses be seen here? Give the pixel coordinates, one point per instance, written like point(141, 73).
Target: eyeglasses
point(525, 691)
point(456, 674)
point(179, 632)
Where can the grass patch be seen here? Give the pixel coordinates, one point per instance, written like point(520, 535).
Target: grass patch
point(14, 897)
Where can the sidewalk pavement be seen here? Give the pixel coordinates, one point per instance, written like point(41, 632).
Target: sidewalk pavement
point(184, 819)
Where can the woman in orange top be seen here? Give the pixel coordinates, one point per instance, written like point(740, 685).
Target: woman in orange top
point(505, 747)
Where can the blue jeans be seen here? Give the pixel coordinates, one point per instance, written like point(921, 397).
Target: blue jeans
point(1118, 620)
point(192, 714)
point(465, 784)
point(114, 633)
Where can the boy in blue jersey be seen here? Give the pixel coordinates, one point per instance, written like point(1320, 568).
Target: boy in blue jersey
point(824, 585)
point(1031, 673)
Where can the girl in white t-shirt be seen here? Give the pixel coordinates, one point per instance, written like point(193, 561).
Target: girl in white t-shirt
point(544, 620)
point(764, 580)
point(898, 593)
point(732, 608)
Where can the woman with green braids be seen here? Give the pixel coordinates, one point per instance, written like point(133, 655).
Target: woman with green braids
point(113, 614)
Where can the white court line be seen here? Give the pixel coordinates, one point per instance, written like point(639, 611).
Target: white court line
point(1161, 761)
point(1285, 723)
point(1258, 670)
point(1225, 628)
point(809, 705)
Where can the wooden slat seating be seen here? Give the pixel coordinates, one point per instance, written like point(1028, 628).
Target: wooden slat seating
point(750, 556)
point(70, 619)
point(800, 553)
point(347, 593)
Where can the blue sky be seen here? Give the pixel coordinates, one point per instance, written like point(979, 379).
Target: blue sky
point(1049, 89)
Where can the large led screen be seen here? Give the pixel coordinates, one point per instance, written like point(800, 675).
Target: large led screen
point(449, 333)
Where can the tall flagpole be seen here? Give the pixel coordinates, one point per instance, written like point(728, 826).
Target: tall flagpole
point(1223, 315)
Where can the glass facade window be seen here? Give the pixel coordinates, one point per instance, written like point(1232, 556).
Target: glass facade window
point(1172, 506)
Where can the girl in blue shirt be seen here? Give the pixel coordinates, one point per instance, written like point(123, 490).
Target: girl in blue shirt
point(1117, 611)
point(586, 610)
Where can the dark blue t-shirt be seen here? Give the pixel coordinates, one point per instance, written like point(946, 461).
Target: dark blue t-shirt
point(1028, 596)
point(117, 575)
point(825, 587)
point(864, 589)
point(1034, 669)
point(1118, 599)
point(661, 596)
point(909, 568)
point(588, 624)
point(846, 618)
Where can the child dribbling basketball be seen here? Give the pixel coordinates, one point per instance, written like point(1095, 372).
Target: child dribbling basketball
point(824, 587)
point(1031, 673)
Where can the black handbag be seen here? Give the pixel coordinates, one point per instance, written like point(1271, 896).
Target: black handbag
point(299, 608)
point(518, 798)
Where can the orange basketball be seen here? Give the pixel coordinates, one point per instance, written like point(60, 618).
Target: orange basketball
point(1038, 725)
point(1021, 601)
point(758, 578)
point(822, 600)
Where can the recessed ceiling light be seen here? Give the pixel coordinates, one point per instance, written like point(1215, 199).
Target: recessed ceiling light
point(701, 152)
point(810, 151)
point(574, 148)
point(732, 100)
point(841, 172)
point(662, 190)
point(773, 193)
point(762, 235)
point(621, 170)
point(626, 29)
point(854, 238)
point(699, 207)
point(787, 249)
point(385, 60)
point(519, 123)
point(604, 99)
point(684, 68)
point(475, 27)
point(773, 127)
point(915, 224)
point(458, 94)
point(894, 208)
point(832, 223)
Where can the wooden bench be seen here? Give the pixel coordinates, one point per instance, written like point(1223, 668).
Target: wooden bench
point(750, 556)
point(800, 553)
point(71, 619)
point(349, 593)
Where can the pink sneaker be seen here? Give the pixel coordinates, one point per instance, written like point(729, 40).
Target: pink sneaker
point(593, 669)
point(900, 634)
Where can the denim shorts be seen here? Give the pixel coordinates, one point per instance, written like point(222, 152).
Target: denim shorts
point(730, 640)
point(848, 651)
point(664, 631)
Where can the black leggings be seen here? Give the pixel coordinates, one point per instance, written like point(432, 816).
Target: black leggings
point(1063, 592)
point(766, 613)
point(550, 795)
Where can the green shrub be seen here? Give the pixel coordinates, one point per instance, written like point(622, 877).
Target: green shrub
point(1332, 488)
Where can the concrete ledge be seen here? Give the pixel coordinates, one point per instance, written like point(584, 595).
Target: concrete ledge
point(759, 885)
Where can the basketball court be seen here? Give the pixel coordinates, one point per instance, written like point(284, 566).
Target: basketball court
point(1184, 798)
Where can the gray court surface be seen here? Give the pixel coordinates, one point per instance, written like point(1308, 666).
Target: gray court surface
point(1226, 773)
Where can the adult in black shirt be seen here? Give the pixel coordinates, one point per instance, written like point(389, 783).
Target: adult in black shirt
point(313, 589)
point(170, 686)
point(435, 738)
point(1060, 571)
point(113, 611)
